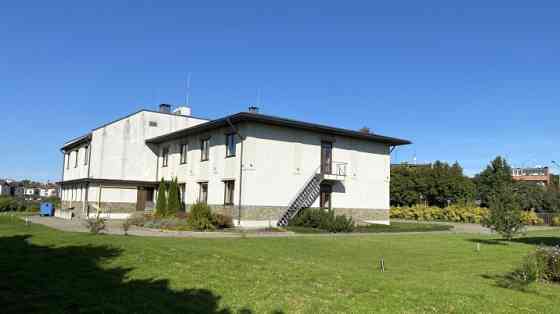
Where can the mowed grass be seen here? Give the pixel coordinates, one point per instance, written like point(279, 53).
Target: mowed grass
point(48, 271)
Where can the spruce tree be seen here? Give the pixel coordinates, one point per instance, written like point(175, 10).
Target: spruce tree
point(161, 205)
point(173, 202)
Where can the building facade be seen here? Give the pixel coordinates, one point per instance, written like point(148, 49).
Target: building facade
point(538, 175)
point(259, 169)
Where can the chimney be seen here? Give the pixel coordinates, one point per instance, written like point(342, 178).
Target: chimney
point(254, 109)
point(165, 108)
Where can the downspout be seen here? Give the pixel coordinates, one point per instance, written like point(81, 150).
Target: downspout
point(62, 179)
point(241, 139)
point(86, 198)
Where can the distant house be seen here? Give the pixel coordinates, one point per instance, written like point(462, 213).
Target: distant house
point(5, 188)
point(538, 175)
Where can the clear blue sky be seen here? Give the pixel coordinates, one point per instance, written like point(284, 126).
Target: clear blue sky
point(464, 83)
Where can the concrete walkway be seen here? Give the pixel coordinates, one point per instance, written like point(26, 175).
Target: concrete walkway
point(115, 227)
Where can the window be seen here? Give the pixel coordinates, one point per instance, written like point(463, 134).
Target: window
point(153, 124)
point(76, 159)
point(184, 153)
point(229, 187)
point(67, 160)
point(183, 196)
point(165, 156)
point(204, 149)
point(230, 145)
point(86, 156)
point(203, 192)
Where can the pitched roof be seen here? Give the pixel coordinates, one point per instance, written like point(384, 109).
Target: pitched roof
point(273, 120)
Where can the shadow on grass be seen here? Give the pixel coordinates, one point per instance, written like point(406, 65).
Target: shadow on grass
point(541, 240)
point(509, 281)
point(41, 279)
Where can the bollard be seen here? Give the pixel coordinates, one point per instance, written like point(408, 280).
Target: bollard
point(382, 265)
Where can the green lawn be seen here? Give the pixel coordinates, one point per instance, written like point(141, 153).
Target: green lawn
point(374, 228)
point(44, 271)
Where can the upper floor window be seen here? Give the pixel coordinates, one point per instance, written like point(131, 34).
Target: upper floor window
point(153, 124)
point(76, 159)
point(184, 153)
point(230, 145)
point(67, 160)
point(204, 149)
point(86, 156)
point(165, 156)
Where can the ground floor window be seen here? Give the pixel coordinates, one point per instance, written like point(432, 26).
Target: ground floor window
point(229, 187)
point(325, 197)
point(203, 192)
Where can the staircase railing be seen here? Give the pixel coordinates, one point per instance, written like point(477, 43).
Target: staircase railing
point(315, 172)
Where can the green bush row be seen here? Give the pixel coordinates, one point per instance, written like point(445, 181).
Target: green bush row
point(8, 203)
point(200, 217)
point(455, 213)
point(321, 219)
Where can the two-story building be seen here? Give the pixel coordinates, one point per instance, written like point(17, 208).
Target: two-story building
point(257, 168)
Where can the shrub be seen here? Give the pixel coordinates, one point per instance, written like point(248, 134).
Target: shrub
point(173, 199)
point(467, 213)
point(126, 226)
point(541, 265)
point(95, 225)
point(200, 217)
point(556, 221)
point(8, 204)
point(221, 221)
point(161, 203)
point(531, 218)
point(505, 214)
point(321, 219)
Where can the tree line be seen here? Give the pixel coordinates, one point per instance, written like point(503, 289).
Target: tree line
point(441, 184)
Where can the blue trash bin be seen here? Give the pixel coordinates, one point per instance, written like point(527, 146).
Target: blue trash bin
point(47, 209)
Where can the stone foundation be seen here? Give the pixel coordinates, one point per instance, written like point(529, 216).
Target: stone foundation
point(265, 213)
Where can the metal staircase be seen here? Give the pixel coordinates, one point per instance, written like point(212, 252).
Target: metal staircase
point(304, 198)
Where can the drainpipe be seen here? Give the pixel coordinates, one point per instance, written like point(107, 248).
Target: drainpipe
point(62, 178)
point(86, 197)
point(241, 140)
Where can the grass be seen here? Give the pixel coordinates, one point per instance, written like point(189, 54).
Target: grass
point(375, 228)
point(48, 271)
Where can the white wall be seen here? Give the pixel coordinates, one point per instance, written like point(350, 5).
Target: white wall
point(278, 161)
point(119, 149)
point(71, 170)
point(214, 171)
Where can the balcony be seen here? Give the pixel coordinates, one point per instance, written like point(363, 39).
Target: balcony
point(335, 170)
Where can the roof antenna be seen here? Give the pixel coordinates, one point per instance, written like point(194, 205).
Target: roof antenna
point(188, 87)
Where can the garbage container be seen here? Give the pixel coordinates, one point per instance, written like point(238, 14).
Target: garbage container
point(47, 209)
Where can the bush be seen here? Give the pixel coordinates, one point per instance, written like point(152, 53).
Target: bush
point(531, 218)
point(321, 219)
point(466, 213)
point(541, 265)
point(126, 226)
point(200, 217)
point(95, 225)
point(8, 204)
point(161, 203)
point(221, 221)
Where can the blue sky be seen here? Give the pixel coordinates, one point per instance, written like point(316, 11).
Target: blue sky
point(463, 83)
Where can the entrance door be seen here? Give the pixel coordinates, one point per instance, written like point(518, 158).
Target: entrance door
point(325, 196)
point(326, 157)
point(141, 199)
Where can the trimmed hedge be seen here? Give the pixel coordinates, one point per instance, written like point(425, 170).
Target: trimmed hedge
point(454, 213)
point(321, 219)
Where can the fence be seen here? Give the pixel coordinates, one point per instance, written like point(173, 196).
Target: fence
point(547, 217)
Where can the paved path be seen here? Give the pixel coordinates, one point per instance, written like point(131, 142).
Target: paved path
point(115, 227)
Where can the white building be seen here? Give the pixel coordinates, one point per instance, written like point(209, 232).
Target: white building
point(5, 189)
point(257, 168)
